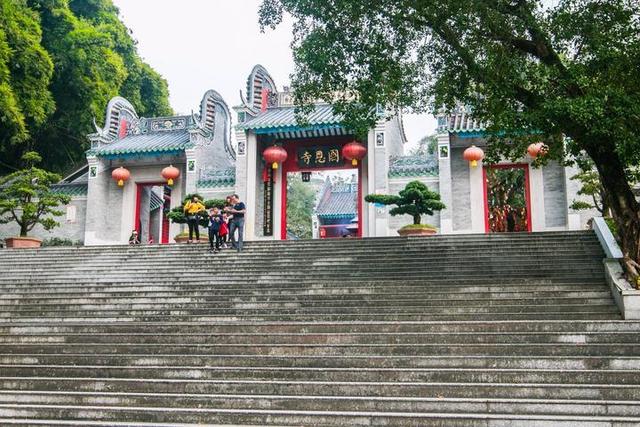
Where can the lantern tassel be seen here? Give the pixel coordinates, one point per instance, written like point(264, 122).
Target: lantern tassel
point(120, 183)
point(474, 163)
point(274, 165)
point(170, 182)
point(354, 162)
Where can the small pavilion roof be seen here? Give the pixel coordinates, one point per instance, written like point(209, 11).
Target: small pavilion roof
point(341, 202)
point(149, 143)
point(75, 189)
point(155, 201)
point(460, 120)
point(283, 119)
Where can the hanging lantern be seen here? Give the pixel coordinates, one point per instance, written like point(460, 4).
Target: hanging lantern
point(274, 155)
point(473, 154)
point(537, 149)
point(120, 175)
point(354, 151)
point(170, 173)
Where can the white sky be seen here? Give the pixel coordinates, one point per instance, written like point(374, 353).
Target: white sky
point(199, 45)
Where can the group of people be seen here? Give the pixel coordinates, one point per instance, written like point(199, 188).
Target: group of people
point(222, 223)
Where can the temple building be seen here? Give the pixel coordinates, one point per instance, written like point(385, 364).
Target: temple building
point(507, 197)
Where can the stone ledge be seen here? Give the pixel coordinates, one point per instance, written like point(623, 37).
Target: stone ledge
point(627, 298)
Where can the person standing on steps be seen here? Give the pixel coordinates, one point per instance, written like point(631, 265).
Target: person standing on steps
point(224, 230)
point(215, 224)
point(237, 222)
point(192, 209)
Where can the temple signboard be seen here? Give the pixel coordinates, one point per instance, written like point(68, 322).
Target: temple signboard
point(319, 157)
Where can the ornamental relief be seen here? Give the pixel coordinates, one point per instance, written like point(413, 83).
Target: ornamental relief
point(168, 124)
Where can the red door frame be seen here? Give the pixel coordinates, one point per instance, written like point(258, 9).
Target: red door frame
point(291, 165)
point(527, 193)
point(136, 219)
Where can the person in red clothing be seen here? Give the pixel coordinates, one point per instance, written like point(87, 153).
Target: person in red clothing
point(224, 230)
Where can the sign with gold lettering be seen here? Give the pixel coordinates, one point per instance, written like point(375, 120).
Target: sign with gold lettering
point(319, 157)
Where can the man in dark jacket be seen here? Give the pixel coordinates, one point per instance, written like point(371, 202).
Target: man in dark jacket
point(237, 222)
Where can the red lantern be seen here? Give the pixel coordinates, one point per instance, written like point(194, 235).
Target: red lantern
point(274, 155)
point(354, 151)
point(120, 175)
point(537, 149)
point(473, 154)
point(170, 173)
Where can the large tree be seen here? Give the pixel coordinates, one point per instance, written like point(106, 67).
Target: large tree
point(566, 71)
point(25, 74)
point(60, 63)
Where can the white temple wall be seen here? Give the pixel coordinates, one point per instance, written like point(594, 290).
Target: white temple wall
point(216, 193)
point(72, 224)
point(398, 184)
point(555, 198)
point(460, 204)
point(118, 205)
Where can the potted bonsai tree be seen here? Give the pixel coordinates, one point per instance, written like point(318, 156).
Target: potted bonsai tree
point(26, 198)
point(177, 216)
point(416, 200)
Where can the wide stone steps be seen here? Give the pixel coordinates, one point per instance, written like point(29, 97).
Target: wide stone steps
point(447, 331)
point(335, 403)
point(298, 418)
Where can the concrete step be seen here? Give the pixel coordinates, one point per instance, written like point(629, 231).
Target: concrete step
point(338, 361)
point(141, 416)
point(444, 338)
point(588, 313)
point(488, 390)
point(316, 327)
point(328, 403)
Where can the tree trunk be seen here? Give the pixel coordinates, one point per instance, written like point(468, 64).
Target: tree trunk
point(416, 219)
point(23, 229)
point(622, 202)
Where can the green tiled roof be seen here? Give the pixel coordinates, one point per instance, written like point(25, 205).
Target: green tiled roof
point(70, 189)
point(410, 166)
point(340, 203)
point(285, 117)
point(150, 143)
point(155, 201)
point(219, 178)
point(460, 120)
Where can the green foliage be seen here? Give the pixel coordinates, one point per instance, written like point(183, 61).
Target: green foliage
point(427, 146)
point(563, 72)
point(301, 198)
point(57, 241)
point(60, 63)
point(415, 199)
point(591, 187)
point(177, 216)
point(25, 74)
point(26, 197)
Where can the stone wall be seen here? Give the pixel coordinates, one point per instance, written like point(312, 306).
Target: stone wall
point(555, 198)
point(395, 186)
point(72, 229)
point(461, 193)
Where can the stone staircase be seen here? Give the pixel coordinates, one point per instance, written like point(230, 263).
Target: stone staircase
point(499, 330)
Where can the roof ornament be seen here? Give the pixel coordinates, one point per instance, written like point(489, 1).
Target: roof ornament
point(95, 125)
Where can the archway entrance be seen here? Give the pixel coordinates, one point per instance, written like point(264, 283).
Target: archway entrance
point(319, 158)
point(507, 199)
point(322, 204)
point(153, 201)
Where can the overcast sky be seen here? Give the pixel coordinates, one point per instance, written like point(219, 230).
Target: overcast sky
point(213, 44)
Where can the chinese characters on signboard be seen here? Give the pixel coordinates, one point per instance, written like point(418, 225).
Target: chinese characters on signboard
point(319, 157)
point(268, 203)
